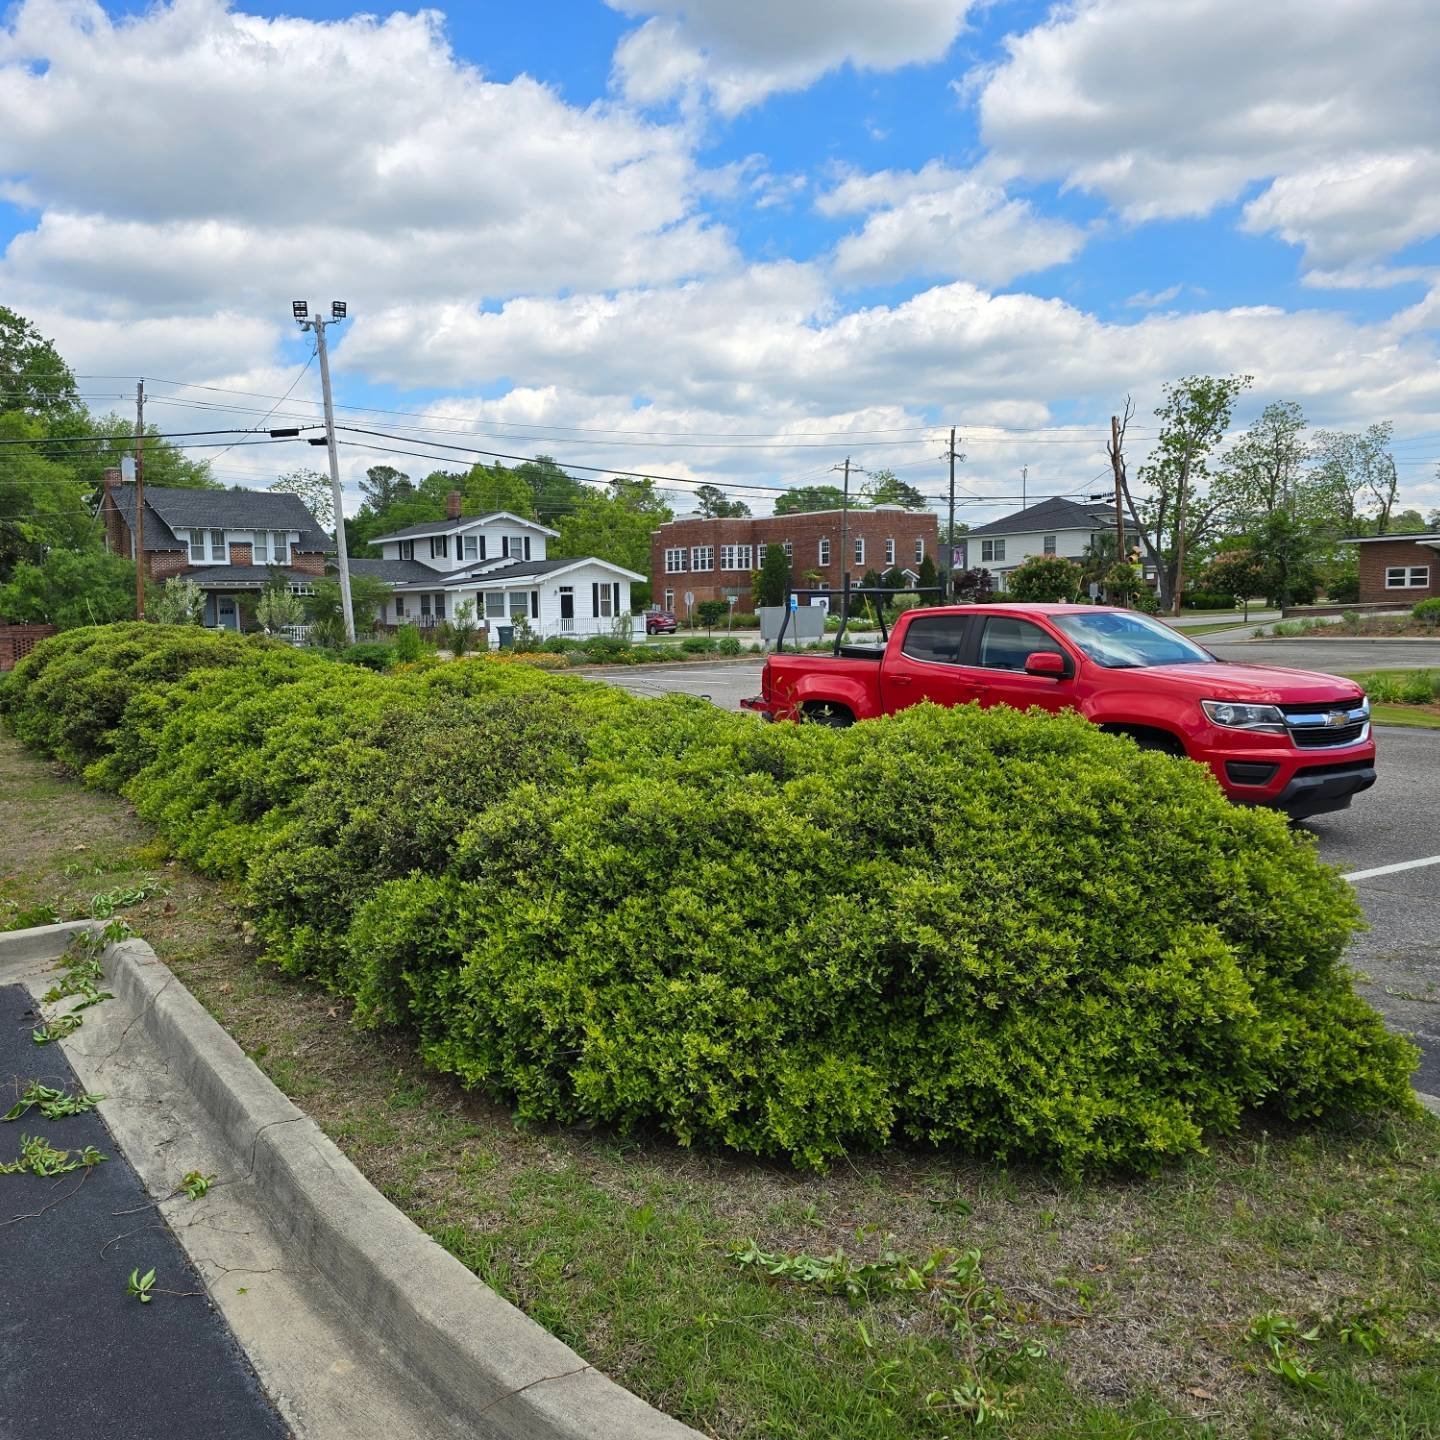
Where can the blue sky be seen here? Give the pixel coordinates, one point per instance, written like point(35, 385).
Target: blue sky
point(760, 234)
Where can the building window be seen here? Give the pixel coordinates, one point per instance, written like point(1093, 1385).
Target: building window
point(515, 547)
point(280, 551)
point(197, 547)
point(670, 601)
point(890, 551)
point(424, 605)
point(702, 557)
point(260, 547)
point(602, 602)
point(494, 604)
point(471, 546)
point(992, 550)
point(1407, 577)
point(440, 606)
point(676, 561)
point(439, 547)
point(399, 607)
point(1049, 544)
point(217, 546)
point(407, 549)
point(919, 548)
point(859, 549)
point(519, 604)
point(824, 552)
point(735, 557)
point(789, 549)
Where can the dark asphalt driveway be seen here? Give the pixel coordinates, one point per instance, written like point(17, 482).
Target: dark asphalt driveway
point(78, 1357)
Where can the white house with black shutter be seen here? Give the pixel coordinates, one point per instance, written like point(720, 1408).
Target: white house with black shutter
point(499, 562)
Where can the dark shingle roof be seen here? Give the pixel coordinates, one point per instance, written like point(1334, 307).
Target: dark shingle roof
point(397, 572)
point(183, 508)
point(446, 526)
point(221, 577)
point(1054, 514)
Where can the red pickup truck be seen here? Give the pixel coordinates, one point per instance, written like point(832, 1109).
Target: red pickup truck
point(1291, 739)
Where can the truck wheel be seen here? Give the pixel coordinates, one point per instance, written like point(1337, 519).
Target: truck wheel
point(837, 717)
point(1148, 739)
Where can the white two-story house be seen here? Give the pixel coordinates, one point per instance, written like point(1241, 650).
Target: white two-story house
point(499, 562)
point(1049, 527)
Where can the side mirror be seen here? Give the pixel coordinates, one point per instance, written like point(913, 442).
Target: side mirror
point(1046, 662)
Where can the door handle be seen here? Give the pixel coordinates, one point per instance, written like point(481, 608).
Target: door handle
point(900, 679)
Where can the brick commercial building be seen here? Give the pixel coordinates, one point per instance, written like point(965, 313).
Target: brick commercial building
point(716, 559)
point(1399, 570)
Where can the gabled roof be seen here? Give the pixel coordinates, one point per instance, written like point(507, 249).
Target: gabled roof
point(395, 572)
point(512, 572)
point(465, 522)
point(1047, 516)
point(183, 508)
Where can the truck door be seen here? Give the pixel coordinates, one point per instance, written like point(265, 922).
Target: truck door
point(1006, 642)
point(927, 665)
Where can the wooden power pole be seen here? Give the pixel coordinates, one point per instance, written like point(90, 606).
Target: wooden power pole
point(140, 500)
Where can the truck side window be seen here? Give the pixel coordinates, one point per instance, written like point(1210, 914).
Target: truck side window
point(1007, 643)
point(939, 639)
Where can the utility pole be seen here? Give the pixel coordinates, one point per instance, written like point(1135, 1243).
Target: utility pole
point(948, 573)
point(845, 533)
point(1117, 464)
point(1024, 486)
point(317, 323)
point(139, 500)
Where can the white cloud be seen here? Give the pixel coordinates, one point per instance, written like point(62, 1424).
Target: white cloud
point(1170, 109)
point(740, 51)
point(271, 153)
point(939, 222)
point(1153, 299)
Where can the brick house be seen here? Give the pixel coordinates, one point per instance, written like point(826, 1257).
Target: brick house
point(226, 541)
point(1399, 570)
point(715, 559)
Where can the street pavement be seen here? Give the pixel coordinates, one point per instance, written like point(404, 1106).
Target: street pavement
point(80, 1356)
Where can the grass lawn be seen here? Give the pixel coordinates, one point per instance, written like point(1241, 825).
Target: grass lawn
point(1140, 1298)
point(1386, 689)
point(1194, 630)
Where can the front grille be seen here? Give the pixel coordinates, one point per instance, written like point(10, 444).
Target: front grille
point(1327, 739)
point(1327, 727)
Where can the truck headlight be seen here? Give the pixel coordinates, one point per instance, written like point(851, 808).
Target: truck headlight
point(1234, 716)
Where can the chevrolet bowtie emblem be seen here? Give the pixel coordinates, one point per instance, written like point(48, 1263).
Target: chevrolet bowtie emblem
point(1337, 718)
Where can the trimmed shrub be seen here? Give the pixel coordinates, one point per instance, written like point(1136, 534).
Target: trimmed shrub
point(372, 654)
point(728, 646)
point(875, 935)
point(1428, 611)
point(698, 645)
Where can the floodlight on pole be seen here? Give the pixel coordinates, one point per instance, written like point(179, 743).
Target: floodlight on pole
point(342, 558)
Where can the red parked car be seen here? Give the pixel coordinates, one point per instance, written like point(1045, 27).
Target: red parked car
point(660, 622)
point(1291, 739)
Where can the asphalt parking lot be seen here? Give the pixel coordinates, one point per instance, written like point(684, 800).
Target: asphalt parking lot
point(1394, 824)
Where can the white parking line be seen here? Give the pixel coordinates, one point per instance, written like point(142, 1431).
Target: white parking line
point(1393, 869)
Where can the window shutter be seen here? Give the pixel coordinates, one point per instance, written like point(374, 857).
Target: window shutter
point(504, 547)
point(527, 547)
point(482, 547)
point(615, 598)
point(534, 604)
point(595, 601)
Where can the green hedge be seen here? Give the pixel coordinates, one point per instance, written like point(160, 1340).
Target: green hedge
point(1004, 932)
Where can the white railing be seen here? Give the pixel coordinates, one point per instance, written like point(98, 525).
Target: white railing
point(296, 634)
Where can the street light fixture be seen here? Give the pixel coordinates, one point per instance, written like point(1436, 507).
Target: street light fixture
point(300, 309)
point(337, 309)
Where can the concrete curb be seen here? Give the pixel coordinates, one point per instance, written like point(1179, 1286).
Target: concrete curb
point(487, 1365)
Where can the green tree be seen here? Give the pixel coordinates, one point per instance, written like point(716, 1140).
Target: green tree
point(1238, 572)
point(804, 498)
point(368, 595)
point(1123, 581)
point(383, 485)
point(614, 525)
point(457, 635)
point(491, 488)
point(1045, 578)
point(34, 380)
point(772, 579)
point(972, 587)
point(555, 494)
point(278, 607)
point(315, 492)
point(1176, 517)
point(711, 612)
point(42, 504)
point(884, 488)
point(928, 578)
point(714, 504)
point(180, 602)
point(69, 588)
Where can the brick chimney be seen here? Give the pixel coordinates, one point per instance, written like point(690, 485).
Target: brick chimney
point(452, 505)
point(111, 478)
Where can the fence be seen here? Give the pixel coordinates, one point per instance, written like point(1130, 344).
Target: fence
point(17, 641)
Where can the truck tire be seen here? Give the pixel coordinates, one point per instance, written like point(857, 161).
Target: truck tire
point(1149, 739)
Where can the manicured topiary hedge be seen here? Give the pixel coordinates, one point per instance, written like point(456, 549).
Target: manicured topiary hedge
point(1009, 933)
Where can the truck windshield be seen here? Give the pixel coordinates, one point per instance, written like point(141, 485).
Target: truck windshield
point(1122, 640)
